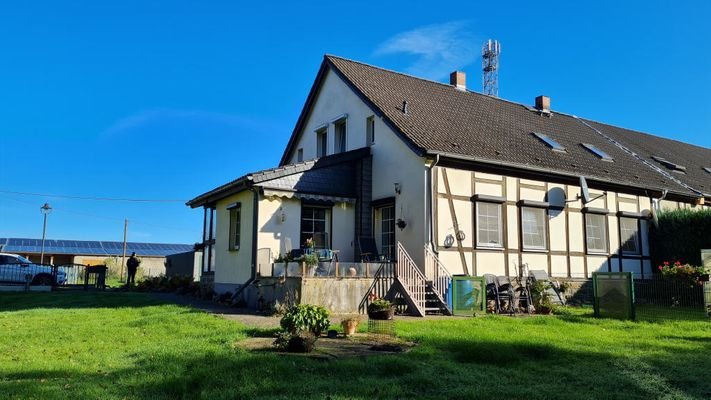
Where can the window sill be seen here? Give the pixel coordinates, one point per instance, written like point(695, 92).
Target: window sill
point(234, 248)
point(540, 251)
point(597, 253)
point(490, 248)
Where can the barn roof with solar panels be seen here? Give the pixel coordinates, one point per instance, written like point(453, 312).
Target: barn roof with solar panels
point(88, 247)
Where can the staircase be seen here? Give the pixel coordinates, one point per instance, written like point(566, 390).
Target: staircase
point(405, 285)
point(438, 284)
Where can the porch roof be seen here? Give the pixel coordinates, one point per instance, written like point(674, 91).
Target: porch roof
point(332, 176)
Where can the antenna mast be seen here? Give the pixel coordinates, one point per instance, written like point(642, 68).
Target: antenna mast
point(490, 52)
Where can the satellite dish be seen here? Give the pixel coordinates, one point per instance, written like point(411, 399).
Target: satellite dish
point(584, 191)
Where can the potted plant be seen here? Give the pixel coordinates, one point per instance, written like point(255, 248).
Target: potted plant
point(311, 261)
point(381, 309)
point(350, 325)
point(541, 299)
point(279, 267)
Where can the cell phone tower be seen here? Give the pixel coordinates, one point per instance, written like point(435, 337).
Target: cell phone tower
point(490, 52)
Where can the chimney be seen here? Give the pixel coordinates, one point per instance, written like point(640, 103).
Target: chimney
point(543, 104)
point(458, 79)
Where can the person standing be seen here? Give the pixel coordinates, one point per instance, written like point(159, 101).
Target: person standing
point(132, 265)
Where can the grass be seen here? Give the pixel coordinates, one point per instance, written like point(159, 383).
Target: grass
point(129, 345)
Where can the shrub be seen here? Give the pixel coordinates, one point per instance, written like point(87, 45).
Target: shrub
point(302, 342)
point(379, 305)
point(310, 259)
point(683, 272)
point(305, 318)
point(181, 284)
point(681, 235)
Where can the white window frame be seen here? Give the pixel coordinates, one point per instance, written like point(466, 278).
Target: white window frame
point(321, 148)
point(499, 218)
point(235, 213)
point(370, 130)
point(636, 240)
point(340, 139)
point(526, 227)
point(603, 232)
point(309, 216)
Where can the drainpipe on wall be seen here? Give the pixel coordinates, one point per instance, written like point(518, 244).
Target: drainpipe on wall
point(431, 199)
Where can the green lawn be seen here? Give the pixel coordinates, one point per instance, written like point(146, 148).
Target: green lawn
point(129, 345)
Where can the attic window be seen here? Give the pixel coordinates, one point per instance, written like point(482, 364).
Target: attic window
point(603, 156)
point(555, 146)
point(672, 166)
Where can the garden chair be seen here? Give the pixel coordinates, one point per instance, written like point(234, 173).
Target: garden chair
point(368, 250)
point(506, 292)
point(492, 292)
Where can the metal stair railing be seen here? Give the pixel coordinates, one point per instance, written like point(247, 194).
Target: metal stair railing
point(381, 287)
point(436, 272)
point(411, 279)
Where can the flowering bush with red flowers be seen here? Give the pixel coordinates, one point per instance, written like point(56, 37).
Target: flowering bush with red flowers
point(683, 272)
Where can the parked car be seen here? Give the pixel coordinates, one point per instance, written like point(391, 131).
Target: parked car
point(17, 269)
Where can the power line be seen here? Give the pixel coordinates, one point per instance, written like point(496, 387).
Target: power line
point(61, 196)
point(86, 215)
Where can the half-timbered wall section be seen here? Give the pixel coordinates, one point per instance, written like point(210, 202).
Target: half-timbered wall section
point(487, 223)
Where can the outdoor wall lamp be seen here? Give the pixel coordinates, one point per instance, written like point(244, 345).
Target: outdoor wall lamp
point(398, 188)
point(401, 223)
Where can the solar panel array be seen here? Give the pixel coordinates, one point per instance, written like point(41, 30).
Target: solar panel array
point(86, 247)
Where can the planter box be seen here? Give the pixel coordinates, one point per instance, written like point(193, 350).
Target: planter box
point(382, 315)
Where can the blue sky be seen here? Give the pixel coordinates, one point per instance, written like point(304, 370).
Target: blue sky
point(166, 100)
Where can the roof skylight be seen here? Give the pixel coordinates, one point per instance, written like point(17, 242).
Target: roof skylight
point(549, 142)
point(672, 166)
point(707, 169)
point(603, 156)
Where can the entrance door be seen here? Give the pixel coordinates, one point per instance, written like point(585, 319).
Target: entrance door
point(385, 230)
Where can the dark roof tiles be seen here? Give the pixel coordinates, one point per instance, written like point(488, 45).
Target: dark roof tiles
point(443, 119)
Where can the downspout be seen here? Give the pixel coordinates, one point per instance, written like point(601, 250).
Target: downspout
point(431, 199)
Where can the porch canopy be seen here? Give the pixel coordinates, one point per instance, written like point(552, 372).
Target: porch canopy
point(332, 178)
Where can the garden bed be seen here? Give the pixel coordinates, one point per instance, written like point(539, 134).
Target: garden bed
point(358, 345)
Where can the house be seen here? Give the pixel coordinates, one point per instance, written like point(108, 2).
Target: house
point(445, 181)
point(91, 252)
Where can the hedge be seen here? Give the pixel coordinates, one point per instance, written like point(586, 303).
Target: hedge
point(681, 235)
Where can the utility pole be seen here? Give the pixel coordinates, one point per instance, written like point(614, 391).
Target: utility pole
point(123, 258)
point(45, 209)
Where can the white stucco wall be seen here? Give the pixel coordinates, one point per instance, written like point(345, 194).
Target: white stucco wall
point(233, 268)
point(335, 99)
point(393, 160)
point(282, 236)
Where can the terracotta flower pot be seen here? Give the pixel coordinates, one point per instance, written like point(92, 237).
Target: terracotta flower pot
point(349, 326)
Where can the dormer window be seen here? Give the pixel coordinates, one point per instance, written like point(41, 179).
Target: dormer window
point(668, 164)
point(601, 154)
point(555, 146)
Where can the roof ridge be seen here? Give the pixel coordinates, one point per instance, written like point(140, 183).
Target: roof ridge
point(437, 82)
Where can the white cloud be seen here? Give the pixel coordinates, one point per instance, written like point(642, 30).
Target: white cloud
point(162, 116)
point(439, 49)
